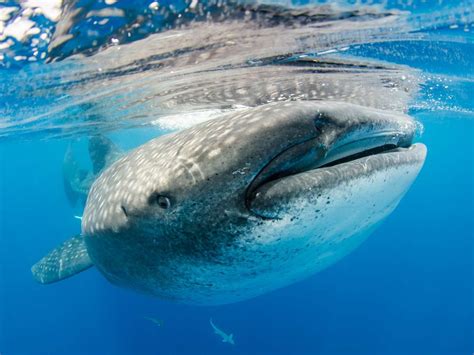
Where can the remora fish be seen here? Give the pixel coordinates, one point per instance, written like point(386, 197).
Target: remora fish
point(243, 204)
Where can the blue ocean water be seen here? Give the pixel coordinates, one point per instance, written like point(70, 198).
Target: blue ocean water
point(407, 290)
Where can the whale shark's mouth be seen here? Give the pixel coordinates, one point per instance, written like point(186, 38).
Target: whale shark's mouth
point(386, 148)
point(356, 148)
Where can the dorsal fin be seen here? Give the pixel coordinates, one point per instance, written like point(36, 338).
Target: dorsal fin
point(66, 260)
point(103, 152)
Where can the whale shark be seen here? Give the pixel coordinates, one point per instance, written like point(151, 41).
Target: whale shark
point(242, 204)
point(226, 338)
point(76, 180)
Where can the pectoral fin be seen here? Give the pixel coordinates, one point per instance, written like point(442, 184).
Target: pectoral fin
point(68, 259)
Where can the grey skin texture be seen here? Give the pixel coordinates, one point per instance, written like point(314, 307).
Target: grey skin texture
point(246, 203)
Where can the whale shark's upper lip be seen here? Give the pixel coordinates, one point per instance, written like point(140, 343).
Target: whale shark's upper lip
point(365, 141)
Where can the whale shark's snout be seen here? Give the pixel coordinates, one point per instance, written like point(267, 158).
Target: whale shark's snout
point(350, 139)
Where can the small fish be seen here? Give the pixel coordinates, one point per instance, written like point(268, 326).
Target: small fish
point(78, 217)
point(158, 322)
point(225, 338)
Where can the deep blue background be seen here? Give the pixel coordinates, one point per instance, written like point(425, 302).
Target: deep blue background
point(407, 290)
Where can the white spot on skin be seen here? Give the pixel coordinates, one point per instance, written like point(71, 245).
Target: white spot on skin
point(60, 266)
point(214, 153)
point(230, 140)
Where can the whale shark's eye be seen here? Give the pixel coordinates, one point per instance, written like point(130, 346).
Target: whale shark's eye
point(162, 201)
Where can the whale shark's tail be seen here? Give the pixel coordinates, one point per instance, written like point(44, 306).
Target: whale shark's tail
point(77, 181)
point(66, 260)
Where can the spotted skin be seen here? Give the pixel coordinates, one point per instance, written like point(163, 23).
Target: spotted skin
point(66, 260)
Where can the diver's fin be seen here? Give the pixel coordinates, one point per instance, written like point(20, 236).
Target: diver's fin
point(76, 181)
point(68, 259)
point(103, 152)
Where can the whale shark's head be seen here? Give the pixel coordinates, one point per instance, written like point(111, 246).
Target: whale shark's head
point(227, 195)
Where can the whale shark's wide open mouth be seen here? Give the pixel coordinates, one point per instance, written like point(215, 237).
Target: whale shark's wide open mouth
point(374, 143)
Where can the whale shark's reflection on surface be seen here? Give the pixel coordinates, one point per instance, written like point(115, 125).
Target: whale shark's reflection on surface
point(215, 65)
